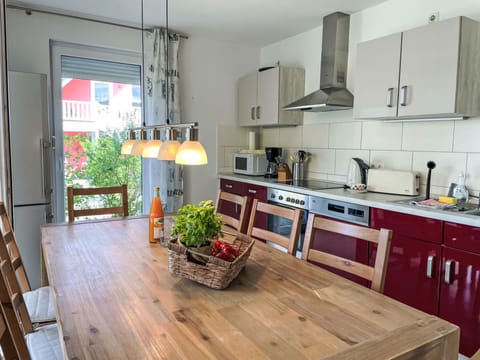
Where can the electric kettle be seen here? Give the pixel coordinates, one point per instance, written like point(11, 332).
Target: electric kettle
point(357, 172)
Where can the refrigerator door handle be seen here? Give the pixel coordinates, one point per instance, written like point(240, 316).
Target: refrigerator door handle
point(44, 146)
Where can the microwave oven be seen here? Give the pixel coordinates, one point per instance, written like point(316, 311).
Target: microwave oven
point(249, 164)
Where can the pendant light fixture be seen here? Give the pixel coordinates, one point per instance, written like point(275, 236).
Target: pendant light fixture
point(128, 144)
point(191, 152)
point(137, 148)
point(153, 146)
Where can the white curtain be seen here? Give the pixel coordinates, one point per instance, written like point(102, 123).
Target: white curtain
point(165, 174)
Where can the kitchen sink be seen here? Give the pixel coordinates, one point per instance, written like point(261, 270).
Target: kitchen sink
point(466, 208)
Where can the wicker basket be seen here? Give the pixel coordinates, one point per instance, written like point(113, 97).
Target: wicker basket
point(205, 269)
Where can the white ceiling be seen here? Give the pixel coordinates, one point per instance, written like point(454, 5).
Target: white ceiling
point(251, 22)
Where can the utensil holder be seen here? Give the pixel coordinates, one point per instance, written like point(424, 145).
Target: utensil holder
point(298, 171)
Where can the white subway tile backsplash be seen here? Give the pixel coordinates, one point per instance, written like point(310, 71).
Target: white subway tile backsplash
point(315, 136)
point(379, 135)
point(448, 166)
point(342, 159)
point(290, 137)
point(428, 136)
point(322, 161)
point(395, 160)
point(334, 139)
point(472, 179)
point(345, 135)
point(464, 139)
point(269, 137)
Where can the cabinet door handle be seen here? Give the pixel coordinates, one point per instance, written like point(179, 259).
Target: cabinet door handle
point(403, 95)
point(252, 113)
point(430, 266)
point(449, 268)
point(251, 191)
point(258, 112)
point(390, 97)
point(228, 186)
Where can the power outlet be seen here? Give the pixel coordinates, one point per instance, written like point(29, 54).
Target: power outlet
point(377, 165)
point(433, 17)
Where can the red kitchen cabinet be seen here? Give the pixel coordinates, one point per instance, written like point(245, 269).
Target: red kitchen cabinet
point(344, 246)
point(252, 191)
point(256, 192)
point(234, 187)
point(460, 283)
point(413, 273)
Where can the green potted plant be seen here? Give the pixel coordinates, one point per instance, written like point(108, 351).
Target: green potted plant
point(195, 225)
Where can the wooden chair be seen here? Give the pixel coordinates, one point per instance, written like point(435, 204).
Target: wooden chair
point(382, 238)
point(41, 343)
point(9, 350)
point(295, 215)
point(225, 198)
point(40, 303)
point(72, 192)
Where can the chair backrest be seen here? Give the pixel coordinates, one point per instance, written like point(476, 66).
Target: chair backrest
point(295, 215)
point(14, 291)
point(376, 274)
point(13, 251)
point(238, 201)
point(11, 302)
point(476, 356)
point(9, 349)
point(72, 192)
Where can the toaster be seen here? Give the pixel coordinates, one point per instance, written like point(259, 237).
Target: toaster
point(393, 182)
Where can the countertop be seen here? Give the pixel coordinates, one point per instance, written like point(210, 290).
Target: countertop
point(377, 200)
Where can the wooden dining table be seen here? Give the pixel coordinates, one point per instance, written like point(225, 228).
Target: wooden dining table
point(115, 299)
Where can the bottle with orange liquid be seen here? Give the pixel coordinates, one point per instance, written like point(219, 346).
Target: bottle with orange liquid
point(156, 218)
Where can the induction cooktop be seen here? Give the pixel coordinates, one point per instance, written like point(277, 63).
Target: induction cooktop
point(314, 184)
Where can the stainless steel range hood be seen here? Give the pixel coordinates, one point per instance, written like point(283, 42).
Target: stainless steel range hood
point(333, 94)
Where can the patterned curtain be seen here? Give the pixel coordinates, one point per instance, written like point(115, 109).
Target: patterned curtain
point(165, 174)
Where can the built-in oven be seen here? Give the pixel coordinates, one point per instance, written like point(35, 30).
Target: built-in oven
point(344, 246)
point(281, 225)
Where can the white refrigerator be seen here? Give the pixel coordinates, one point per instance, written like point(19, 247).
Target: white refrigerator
point(31, 158)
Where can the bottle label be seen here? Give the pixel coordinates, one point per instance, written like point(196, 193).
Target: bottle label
point(158, 229)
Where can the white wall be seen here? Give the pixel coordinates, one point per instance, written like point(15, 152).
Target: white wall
point(209, 73)
point(209, 96)
point(335, 137)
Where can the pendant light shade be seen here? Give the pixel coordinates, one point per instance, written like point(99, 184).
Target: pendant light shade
point(128, 144)
point(191, 152)
point(139, 145)
point(153, 146)
point(169, 148)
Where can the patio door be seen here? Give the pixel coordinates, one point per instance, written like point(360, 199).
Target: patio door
point(96, 98)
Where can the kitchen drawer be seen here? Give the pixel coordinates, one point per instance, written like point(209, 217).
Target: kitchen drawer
point(416, 227)
point(231, 186)
point(256, 191)
point(462, 237)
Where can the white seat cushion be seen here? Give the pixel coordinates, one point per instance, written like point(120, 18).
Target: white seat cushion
point(40, 304)
point(44, 343)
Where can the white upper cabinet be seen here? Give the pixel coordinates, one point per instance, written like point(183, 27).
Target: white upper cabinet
point(261, 96)
point(428, 72)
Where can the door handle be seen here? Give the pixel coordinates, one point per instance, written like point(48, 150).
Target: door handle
point(252, 113)
point(258, 112)
point(390, 97)
point(449, 268)
point(251, 191)
point(403, 95)
point(228, 186)
point(430, 266)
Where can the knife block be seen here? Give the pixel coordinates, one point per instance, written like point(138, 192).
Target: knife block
point(283, 172)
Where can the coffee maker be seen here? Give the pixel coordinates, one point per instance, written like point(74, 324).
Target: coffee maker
point(272, 154)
